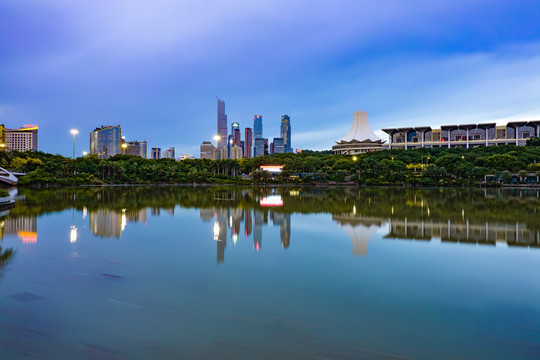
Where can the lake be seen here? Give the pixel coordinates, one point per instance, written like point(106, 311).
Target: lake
point(266, 273)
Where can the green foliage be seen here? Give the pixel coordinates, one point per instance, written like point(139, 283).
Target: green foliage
point(423, 166)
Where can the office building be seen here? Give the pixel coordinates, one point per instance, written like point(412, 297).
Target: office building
point(105, 141)
point(169, 154)
point(155, 154)
point(221, 124)
point(236, 152)
point(265, 146)
point(464, 136)
point(230, 144)
point(248, 143)
point(272, 148)
point(286, 133)
point(208, 151)
point(21, 139)
point(279, 146)
point(360, 138)
point(259, 147)
point(224, 152)
point(257, 127)
point(137, 148)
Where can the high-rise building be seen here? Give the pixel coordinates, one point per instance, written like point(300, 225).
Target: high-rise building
point(272, 148)
point(236, 152)
point(21, 139)
point(257, 127)
point(237, 137)
point(259, 147)
point(156, 153)
point(248, 143)
point(208, 151)
point(221, 124)
point(137, 148)
point(265, 146)
point(105, 141)
point(169, 154)
point(286, 132)
point(279, 146)
point(230, 144)
point(234, 126)
point(224, 152)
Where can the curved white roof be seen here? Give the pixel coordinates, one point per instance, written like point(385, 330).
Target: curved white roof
point(360, 130)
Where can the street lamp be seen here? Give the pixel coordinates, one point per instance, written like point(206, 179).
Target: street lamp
point(74, 132)
point(84, 153)
point(124, 146)
point(217, 138)
point(354, 158)
point(3, 146)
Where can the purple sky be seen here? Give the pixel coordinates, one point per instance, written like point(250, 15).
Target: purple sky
point(155, 67)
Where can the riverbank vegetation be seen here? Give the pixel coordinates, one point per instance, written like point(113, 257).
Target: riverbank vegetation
point(430, 167)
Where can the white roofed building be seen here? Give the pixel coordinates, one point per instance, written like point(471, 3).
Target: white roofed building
point(359, 139)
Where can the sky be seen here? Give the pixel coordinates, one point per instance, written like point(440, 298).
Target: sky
point(156, 67)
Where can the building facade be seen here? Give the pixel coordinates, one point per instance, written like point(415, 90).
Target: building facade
point(169, 154)
point(221, 124)
point(259, 147)
point(224, 152)
point(105, 141)
point(248, 143)
point(208, 151)
point(257, 127)
point(279, 146)
point(21, 139)
point(155, 154)
point(236, 152)
point(137, 148)
point(464, 136)
point(286, 132)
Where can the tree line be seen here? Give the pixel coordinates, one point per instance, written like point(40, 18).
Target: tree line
point(437, 166)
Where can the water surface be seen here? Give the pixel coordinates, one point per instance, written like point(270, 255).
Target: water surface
point(244, 273)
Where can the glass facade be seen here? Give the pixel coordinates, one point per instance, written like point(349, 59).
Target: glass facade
point(105, 141)
point(286, 133)
point(257, 127)
point(222, 124)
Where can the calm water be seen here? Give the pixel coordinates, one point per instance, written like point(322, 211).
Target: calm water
point(231, 273)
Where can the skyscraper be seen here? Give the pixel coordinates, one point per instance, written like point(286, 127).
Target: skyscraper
point(259, 147)
point(257, 127)
point(248, 143)
point(234, 126)
point(237, 137)
point(286, 133)
point(105, 141)
point(221, 124)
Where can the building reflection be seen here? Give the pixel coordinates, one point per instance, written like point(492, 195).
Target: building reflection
point(254, 220)
point(25, 227)
point(108, 223)
point(461, 231)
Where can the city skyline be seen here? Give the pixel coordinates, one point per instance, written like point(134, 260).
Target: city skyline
point(461, 62)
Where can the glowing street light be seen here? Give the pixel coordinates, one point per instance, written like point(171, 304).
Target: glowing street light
point(124, 146)
point(74, 132)
point(73, 234)
point(84, 153)
point(354, 158)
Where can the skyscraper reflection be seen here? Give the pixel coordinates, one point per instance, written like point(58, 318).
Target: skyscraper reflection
point(110, 223)
point(24, 226)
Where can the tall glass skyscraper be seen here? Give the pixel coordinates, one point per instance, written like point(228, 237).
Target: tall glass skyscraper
point(286, 133)
point(105, 141)
point(221, 124)
point(257, 127)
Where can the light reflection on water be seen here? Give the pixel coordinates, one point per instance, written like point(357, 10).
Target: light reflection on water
point(125, 273)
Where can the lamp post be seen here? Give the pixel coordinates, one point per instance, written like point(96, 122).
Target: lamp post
point(3, 146)
point(124, 146)
point(74, 132)
point(84, 153)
